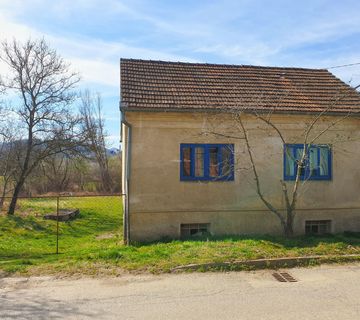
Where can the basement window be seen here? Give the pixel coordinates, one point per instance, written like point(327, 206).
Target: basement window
point(317, 227)
point(194, 229)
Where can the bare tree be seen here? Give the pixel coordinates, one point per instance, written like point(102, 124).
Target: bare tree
point(93, 125)
point(258, 108)
point(7, 160)
point(65, 172)
point(82, 172)
point(56, 169)
point(44, 84)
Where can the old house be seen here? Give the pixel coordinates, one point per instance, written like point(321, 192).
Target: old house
point(181, 179)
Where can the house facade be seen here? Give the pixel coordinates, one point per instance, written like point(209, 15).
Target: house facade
point(186, 167)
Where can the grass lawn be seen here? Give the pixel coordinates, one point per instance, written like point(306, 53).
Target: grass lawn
point(92, 243)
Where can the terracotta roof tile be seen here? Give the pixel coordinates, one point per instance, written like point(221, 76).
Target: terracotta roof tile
point(175, 85)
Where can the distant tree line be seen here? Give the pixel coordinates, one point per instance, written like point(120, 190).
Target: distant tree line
point(52, 138)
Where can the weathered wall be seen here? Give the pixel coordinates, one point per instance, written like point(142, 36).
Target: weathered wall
point(159, 201)
point(125, 160)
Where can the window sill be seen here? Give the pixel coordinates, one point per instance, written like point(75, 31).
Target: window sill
point(207, 180)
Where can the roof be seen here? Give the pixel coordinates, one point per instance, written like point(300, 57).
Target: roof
point(158, 85)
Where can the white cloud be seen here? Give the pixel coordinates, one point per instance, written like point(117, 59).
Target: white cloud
point(113, 141)
point(99, 61)
point(248, 53)
point(206, 30)
point(94, 71)
point(10, 29)
point(96, 60)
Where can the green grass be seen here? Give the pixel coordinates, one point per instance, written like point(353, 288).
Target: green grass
point(92, 243)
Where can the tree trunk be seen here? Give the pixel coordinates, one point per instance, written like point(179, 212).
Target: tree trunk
point(15, 196)
point(288, 227)
point(2, 202)
point(106, 180)
point(24, 169)
point(3, 195)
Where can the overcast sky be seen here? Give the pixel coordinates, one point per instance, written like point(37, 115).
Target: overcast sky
point(94, 34)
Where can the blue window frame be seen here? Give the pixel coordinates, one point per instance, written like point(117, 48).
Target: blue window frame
point(206, 162)
point(318, 162)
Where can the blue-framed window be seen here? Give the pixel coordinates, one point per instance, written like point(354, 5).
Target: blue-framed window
point(206, 162)
point(317, 166)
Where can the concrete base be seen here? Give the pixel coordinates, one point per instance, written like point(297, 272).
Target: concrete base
point(150, 226)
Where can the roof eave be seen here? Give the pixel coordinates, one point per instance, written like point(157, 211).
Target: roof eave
point(231, 110)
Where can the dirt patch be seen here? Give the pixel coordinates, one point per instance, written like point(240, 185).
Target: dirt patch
point(105, 236)
point(19, 213)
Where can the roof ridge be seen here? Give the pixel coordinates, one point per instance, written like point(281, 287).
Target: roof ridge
point(218, 64)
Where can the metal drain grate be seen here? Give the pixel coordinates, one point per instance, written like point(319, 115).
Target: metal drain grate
point(283, 277)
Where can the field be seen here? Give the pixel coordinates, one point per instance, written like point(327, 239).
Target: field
point(92, 243)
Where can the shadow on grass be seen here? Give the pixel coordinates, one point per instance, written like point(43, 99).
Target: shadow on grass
point(24, 255)
point(348, 238)
point(27, 222)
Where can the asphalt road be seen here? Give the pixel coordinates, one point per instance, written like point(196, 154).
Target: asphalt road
point(327, 292)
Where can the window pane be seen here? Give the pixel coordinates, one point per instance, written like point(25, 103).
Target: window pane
point(199, 162)
point(214, 165)
point(289, 161)
point(226, 156)
point(313, 161)
point(324, 161)
point(202, 162)
point(187, 161)
point(316, 164)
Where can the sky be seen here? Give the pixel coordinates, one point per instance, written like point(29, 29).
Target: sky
point(94, 34)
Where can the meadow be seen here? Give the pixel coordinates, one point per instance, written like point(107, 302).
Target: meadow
point(92, 244)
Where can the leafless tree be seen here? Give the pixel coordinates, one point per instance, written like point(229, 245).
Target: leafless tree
point(258, 108)
point(91, 111)
point(57, 169)
point(44, 86)
point(7, 160)
point(82, 169)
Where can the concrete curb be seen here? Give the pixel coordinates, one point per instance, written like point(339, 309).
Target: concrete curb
point(268, 263)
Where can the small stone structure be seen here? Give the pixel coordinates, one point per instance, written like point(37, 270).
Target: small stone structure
point(64, 215)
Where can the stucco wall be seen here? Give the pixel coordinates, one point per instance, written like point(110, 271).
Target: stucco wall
point(160, 202)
